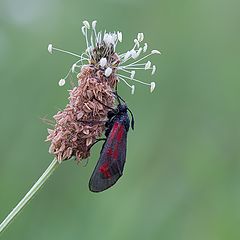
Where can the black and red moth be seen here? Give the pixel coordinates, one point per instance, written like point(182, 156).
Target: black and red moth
point(110, 165)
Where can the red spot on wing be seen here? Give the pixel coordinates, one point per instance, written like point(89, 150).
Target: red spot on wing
point(104, 169)
point(114, 131)
point(120, 133)
point(109, 152)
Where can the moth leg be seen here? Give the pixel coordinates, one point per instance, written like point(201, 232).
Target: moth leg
point(103, 104)
point(98, 140)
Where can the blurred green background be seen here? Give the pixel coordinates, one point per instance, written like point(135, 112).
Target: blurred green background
point(182, 178)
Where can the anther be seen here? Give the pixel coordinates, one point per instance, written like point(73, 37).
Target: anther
point(86, 24)
point(153, 69)
point(148, 65)
point(108, 72)
point(152, 86)
point(61, 82)
point(155, 52)
point(103, 62)
point(132, 89)
point(140, 37)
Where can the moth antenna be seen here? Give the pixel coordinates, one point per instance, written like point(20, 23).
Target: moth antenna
point(118, 96)
point(103, 104)
point(97, 140)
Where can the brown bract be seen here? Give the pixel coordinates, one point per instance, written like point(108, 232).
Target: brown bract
point(82, 121)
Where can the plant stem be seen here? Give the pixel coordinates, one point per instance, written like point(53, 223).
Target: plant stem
point(31, 193)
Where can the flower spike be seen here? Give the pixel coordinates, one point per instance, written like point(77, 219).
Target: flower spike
point(98, 65)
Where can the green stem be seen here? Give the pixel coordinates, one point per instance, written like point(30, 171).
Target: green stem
point(31, 193)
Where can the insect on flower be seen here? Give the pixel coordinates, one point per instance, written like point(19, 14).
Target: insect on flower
point(82, 122)
point(110, 165)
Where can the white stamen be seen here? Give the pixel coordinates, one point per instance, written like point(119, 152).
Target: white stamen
point(60, 50)
point(61, 82)
point(122, 79)
point(115, 37)
point(108, 72)
point(103, 62)
point(83, 30)
point(136, 80)
point(147, 65)
point(152, 86)
point(92, 44)
point(86, 39)
point(145, 47)
point(153, 69)
point(136, 43)
point(139, 51)
point(50, 48)
point(133, 54)
point(94, 24)
point(140, 37)
point(110, 38)
point(139, 60)
point(127, 55)
point(119, 34)
point(99, 37)
point(155, 52)
point(109, 41)
point(89, 49)
point(132, 74)
point(86, 24)
point(133, 89)
point(73, 67)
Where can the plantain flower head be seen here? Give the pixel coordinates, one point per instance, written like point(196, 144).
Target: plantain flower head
point(98, 70)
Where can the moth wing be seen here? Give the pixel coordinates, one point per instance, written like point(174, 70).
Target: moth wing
point(109, 167)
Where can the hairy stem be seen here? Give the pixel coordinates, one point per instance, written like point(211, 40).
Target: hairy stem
point(31, 193)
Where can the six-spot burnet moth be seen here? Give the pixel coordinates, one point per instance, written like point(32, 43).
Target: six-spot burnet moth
point(110, 165)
